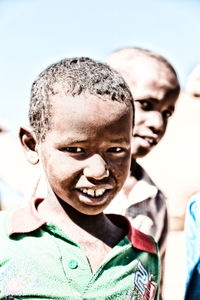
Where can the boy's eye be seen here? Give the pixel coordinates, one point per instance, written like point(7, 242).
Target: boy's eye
point(146, 105)
point(73, 149)
point(115, 150)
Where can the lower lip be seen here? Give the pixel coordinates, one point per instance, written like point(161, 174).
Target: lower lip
point(87, 199)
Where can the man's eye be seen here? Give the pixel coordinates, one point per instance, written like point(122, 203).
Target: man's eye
point(73, 149)
point(167, 114)
point(115, 150)
point(146, 105)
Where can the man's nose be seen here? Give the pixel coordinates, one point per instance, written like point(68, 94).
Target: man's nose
point(156, 122)
point(96, 167)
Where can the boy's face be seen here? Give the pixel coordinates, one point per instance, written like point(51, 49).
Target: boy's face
point(154, 90)
point(86, 153)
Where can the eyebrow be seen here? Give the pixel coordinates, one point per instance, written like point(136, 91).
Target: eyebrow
point(147, 98)
point(120, 140)
point(74, 141)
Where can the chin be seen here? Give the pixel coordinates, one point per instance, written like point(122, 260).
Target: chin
point(92, 212)
point(141, 152)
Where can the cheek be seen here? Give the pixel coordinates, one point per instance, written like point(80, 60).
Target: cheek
point(162, 134)
point(140, 116)
point(59, 169)
point(121, 168)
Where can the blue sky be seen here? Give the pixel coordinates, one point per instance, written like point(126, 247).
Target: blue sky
point(36, 33)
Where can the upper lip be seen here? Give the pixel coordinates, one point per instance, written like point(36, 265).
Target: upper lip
point(152, 139)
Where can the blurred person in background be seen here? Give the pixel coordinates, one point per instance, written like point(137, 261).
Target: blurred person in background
point(192, 219)
point(155, 88)
point(9, 195)
point(192, 230)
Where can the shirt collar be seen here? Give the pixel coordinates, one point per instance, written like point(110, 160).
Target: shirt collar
point(27, 219)
point(138, 239)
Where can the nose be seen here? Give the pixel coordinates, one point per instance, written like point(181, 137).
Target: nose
point(155, 122)
point(96, 168)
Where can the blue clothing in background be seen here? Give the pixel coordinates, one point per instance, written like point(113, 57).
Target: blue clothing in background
point(192, 239)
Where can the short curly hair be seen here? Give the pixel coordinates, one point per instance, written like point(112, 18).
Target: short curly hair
point(73, 76)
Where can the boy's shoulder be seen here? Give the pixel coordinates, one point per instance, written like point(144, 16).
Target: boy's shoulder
point(143, 241)
point(6, 242)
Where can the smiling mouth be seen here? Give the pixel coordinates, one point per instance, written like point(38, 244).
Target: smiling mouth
point(93, 193)
point(151, 141)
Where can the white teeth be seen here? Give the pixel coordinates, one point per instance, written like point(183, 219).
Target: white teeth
point(93, 193)
point(149, 140)
point(100, 192)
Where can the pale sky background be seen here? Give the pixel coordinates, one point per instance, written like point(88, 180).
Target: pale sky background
point(36, 33)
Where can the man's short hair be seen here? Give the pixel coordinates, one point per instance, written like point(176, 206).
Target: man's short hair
point(117, 57)
point(73, 76)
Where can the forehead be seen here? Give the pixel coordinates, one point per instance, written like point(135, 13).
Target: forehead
point(88, 113)
point(148, 77)
point(143, 69)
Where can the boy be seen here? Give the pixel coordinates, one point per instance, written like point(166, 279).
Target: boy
point(155, 88)
point(63, 246)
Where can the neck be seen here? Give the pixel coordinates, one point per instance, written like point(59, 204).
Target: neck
point(136, 170)
point(73, 221)
point(93, 224)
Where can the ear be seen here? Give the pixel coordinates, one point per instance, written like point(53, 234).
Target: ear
point(29, 144)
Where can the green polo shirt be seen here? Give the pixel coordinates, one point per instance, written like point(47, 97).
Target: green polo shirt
point(39, 261)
